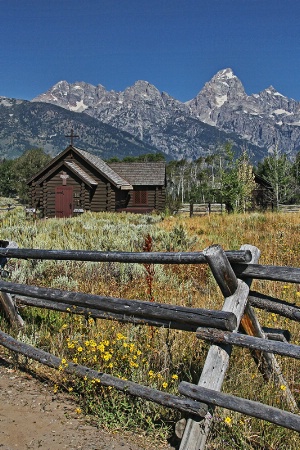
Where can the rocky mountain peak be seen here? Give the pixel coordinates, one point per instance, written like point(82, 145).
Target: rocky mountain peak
point(142, 91)
point(273, 102)
point(270, 92)
point(271, 89)
point(142, 85)
point(76, 96)
point(226, 74)
point(223, 88)
point(225, 81)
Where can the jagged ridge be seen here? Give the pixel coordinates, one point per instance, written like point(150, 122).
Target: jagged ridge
point(154, 120)
point(153, 117)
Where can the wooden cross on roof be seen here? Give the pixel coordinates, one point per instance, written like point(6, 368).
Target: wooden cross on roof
point(72, 136)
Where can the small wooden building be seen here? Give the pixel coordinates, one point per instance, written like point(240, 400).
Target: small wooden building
point(262, 194)
point(76, 181)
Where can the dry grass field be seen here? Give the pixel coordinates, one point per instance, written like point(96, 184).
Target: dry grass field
point(156, 357)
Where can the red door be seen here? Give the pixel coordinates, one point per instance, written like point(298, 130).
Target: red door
point(63, 201)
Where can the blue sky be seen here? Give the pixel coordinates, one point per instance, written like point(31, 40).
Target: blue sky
point(174, 44)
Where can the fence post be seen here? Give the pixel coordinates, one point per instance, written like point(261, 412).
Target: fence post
point(236, 294)
point(191, 209)
point(6, 301)
point(266, 362)
point(11, 312)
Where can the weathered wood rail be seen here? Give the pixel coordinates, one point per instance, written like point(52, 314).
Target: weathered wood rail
point(190, 318)
point(248, 407)
point(236, 324)
point(202, 209)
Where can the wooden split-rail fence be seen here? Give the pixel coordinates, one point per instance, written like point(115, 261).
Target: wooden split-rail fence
point(202, 209)
point(235, 325)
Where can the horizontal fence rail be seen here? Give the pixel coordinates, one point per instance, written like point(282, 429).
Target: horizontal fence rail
point(248, 407)
point(238, 256)
point(272, 273)
point(141, 309)
point(254, 343)
point(206, 208)
point(274, 305)
point(238, 260)
point(97, 314)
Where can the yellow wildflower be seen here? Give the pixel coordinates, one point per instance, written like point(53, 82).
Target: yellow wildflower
point(101, 347)
point(228, 420)
point(107, 356)
point(120, 336)
point(133, 364)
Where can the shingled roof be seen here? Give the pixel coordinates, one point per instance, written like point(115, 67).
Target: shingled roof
point(122, 174)
point(82, 174)
point(105, 169)
point(142, 173)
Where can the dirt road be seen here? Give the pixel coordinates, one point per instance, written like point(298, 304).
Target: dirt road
point(32, 417)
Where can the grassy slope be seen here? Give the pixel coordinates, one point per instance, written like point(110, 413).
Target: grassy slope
point(159, 358)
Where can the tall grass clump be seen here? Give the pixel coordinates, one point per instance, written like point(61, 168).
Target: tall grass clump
point(160, 358)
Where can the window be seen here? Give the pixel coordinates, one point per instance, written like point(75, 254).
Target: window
point(140, 198)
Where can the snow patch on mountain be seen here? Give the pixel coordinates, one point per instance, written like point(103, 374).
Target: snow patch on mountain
point(79, 107)
point(220, 100)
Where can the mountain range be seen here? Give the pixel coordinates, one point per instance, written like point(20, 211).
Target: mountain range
point(141, 119)
point(25, 125)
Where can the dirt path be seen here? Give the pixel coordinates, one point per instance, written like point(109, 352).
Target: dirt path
point(32, 417)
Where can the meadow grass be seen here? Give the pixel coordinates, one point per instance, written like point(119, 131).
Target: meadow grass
point(156, 357)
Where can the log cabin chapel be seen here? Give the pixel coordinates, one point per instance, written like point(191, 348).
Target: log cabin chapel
point(76, 181)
